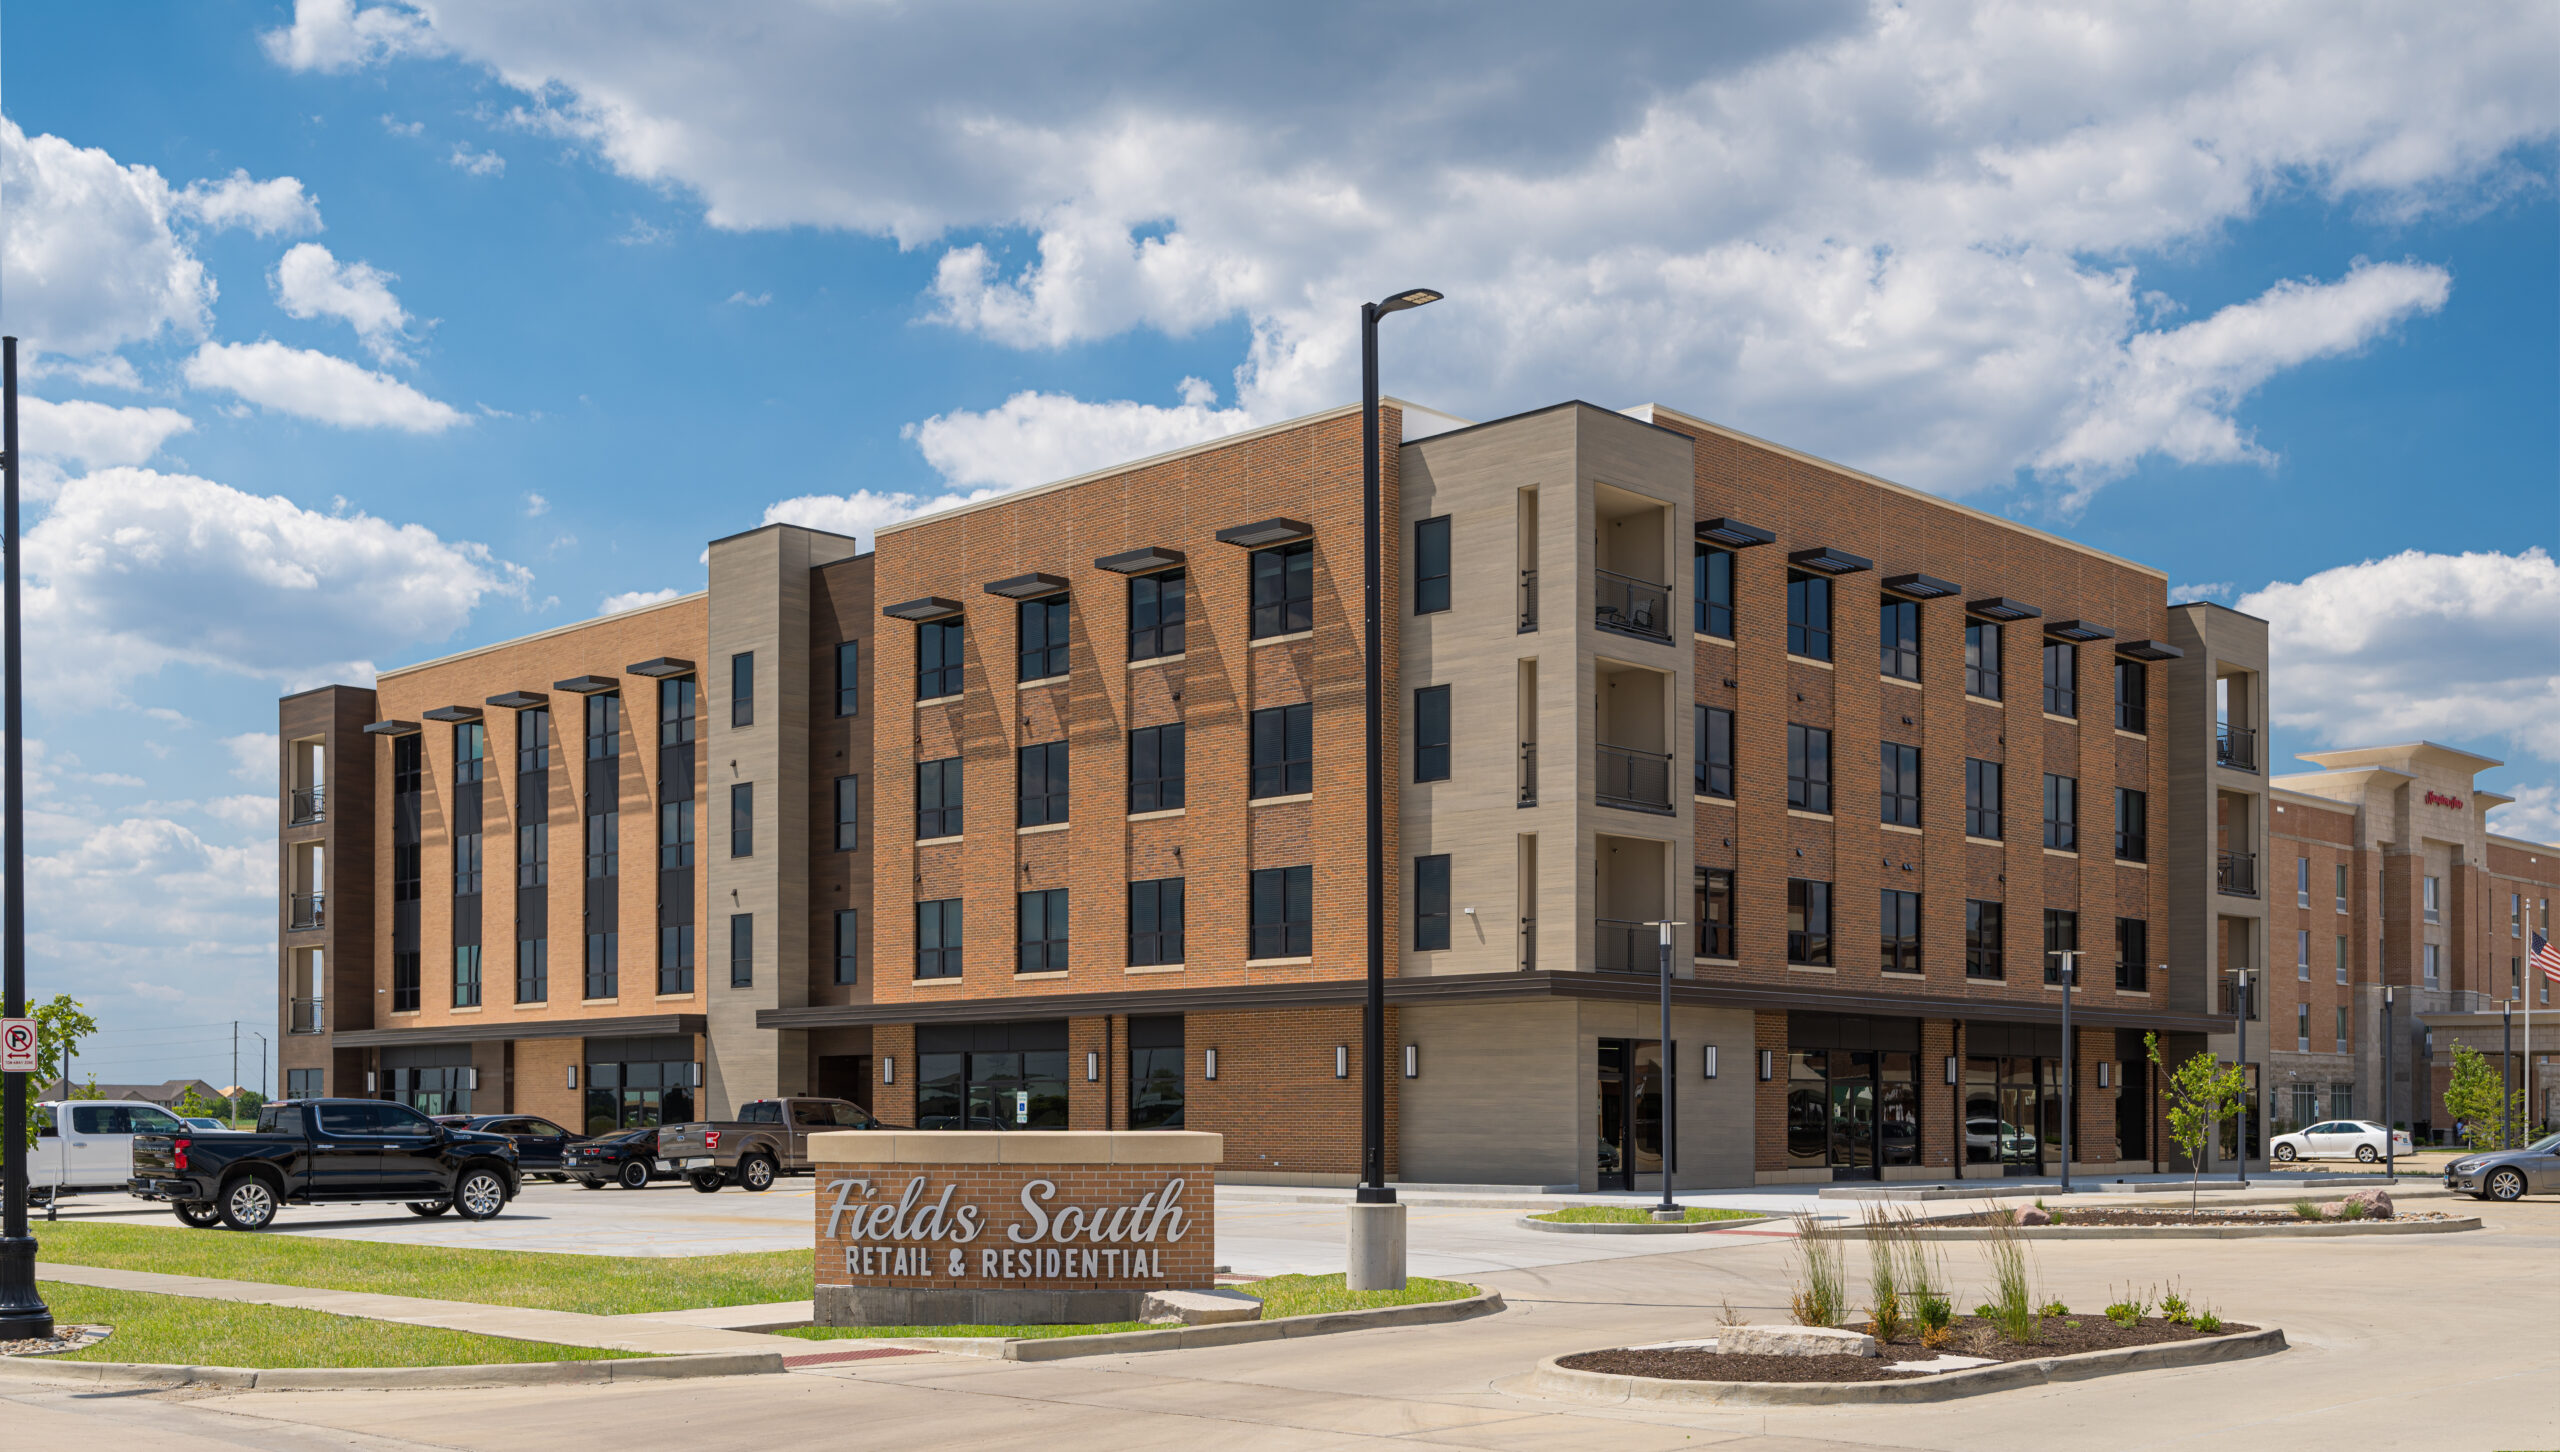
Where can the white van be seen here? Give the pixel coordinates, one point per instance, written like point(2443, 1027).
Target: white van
point(87, 1144)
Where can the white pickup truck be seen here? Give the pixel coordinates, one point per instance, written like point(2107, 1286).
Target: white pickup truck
point(87, 1144)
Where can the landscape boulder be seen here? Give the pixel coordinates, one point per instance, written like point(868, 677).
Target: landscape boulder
point(1793, 1341)
point(2376, 1202)
point(2034, 1215)
point(1199, 1308)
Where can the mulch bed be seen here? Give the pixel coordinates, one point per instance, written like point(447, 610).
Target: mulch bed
point(1974, 1337)
point(2145, 1215)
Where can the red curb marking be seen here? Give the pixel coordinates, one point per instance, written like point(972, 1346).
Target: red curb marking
point(826, 1357)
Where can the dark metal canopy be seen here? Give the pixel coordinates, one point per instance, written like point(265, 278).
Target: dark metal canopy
point(1733, 534)
point(2149, 650)
point(518, 700)
point(1264, 532)
point(1830, 561)
point(1922, 587)
point(587, 685)
point(1141, 561)
point(2001, 607)
point(663, 666)
point(453, 713)
point(1026, 587)
point(931, 607)
point(2077, 630)
point(392, 728)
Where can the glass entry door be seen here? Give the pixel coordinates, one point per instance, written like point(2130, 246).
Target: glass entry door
point(2006, 1116)
point(1630, 1111)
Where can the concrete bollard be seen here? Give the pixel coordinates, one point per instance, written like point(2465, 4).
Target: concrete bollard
point(1377, 1248)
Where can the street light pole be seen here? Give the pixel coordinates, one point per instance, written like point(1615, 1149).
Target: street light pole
point(2506, 1073)
point(2249, 1096)
point(23, 1313)
point(2070, 970)
point(1377, 1221)
point(2390, 1131)
point(1668, 1066)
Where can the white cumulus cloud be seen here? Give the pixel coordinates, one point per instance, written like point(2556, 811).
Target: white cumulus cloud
point(317, 386)
point(2534, 815)
point(91, 261)
point(635, 599)
point(273, 207)
point(312, 283)
point(90, 435)
point(339, 35)
point(478, 163)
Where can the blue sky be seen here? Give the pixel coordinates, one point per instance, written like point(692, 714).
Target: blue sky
point(366, 333)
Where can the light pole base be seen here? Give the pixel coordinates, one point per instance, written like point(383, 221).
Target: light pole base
point(23, 1315)
point(1675, 1213)
point(1376, 1260)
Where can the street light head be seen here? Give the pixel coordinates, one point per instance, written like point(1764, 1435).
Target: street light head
point(1412, 297)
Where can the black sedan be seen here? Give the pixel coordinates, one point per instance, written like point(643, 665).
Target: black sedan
point(541, 1146)
point(629, 1159)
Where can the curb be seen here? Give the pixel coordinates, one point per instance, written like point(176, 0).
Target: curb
point(1176, 1338)
point(2296, 1230)
point(1642, 1227)
point(1553, 1380)
point(392, 1378)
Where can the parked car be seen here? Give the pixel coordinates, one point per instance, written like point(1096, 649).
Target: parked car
point(770, 1137)
point(205, 1122)
point(541, 1146)
point(2508, 1174)
point(630, 1159)
point(1999, 1140)
point(96, 1152)
point(2337, 1139)
point(325, 1151)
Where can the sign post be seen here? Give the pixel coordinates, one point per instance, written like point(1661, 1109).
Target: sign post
point(23, 1314)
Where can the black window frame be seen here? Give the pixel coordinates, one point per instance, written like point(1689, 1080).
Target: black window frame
point(1808, 615)
point(1042, 628)
point(1431, 729)
point(941, 934)
point(405, 990)
point(679, 710)
point(1159, 768)
point(533, 970)
point(1898, 784)
point(675, 957)
point(2061, 934)
point(1982, 659)
point(2133, 954)
point(1713, 585)
point(533, 739)
point(939, 798)
point(742, 688)
point(533, 854)
point(466, 975)
point(849, 677)
point(1431, 903)
point(1898, 917)
point(1040, 784)
point(1898, 638)
point(1985, 940)
point(675, 834)
point(848, 946)
point(2133, 825)
point(742, 819)
point(1281, 913)
point(1808, 769)
point(1281, 760)
point(604, 844)
point(1040, 946)
point(1714, 745)
point(469, 863)
point(1154, 901)
point(604, 726)
point(2062, 679)
point(1713, 894)
point(1809, 922)
point(2133, 697)
point(942, 659)
point(2061, 812)
point(849, 812)
point(1159, 613)
point(1283, 590)
point(470, 751)
point(1431, 555)
point(1984, 816)
point(742, 950)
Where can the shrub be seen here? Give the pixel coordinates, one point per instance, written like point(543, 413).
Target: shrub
point(2208, 1323)
point(1820, 1287)
point(1986, 1310)
point(2305, 1210)
point(2174, 1307)
point(1936, 1337)
point(2128, 1309)
point(2053, 1308)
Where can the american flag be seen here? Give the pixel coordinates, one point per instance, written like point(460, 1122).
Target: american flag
point(2546, 957)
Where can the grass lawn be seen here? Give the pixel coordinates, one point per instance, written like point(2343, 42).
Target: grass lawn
point(1280, 1296)
point(196, 1332)
point(1637, 1215)
point(601, 1284)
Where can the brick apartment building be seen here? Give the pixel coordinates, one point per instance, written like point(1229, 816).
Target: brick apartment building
point(1048, 812)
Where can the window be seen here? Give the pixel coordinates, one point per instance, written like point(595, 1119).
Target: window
point(1040, 784)
point(742, 950)
point(1808, 922)
point(533, 854)
point(1808, 616)
point(1901, 913)
point(2133, 830)
point(533, 739)
point(2061, 935)
point(1715, 593)
point(2062, 812)
point(2302, 1028)
point(938, 938)
point(2132, 689)
point(1982, 940)
point(848, 945)
point(1155, 1072)
point(1156, 768)
point(1283, 912)
point(2342, 887)
point(2433, 970)
point(2515, 914)
point(1284, 590)
point(849, 678)
point(2432, 898)
point(1041, 943)
point(302, 1084)
point(1715, 913)
point(404, 982)
point(604, 844)
point(466, 864)
point(2342, 1038)
point(1431, 734)
point(406, 858)
point(2342, 957)
point(1040, 638)
point(2302, 882)
point(2133, 955)
point(2062, 678)
point(604, 727)
point(1982, 799)
point(1431, 903)
point(1899, 793)
point(675, 835)
point(1715, 752)
point(938, 798)
point(675, 958)
point(470, 751)
point(533, 970)
point(676, 712)
point(848, 813)
point(1156, 615)
point(1431, 565)
point(742, 688)
point(2342, 1097)
point(408, 758)
point(1982, 659)
point(466, 975)
point(604, 965)
point(742, 819)
point(1283, 751)
point(1155, 922)
point(2302, 955)
point(940, 648)
point(1808, 768)
point(1898, 640)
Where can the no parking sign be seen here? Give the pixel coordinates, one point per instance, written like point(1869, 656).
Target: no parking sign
point(17, 1046)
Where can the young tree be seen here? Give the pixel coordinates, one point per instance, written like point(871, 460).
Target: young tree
point(60, 1026)
point(2471, 1097)
point(2202, 1093)
point(192, 1105)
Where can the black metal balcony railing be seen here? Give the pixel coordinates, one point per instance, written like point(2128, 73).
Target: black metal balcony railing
point(1528, 773)
point(2235, 747)
point(306, 805)
point(310, 1015)
point(309, 910)
point(1631, 606)
point(1636, 780)
point(1528, 601)
point(2236, 873)
point(1623, 947)
point(2231, 1000)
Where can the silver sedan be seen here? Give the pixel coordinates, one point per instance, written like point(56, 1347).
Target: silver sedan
point(2508, 1174)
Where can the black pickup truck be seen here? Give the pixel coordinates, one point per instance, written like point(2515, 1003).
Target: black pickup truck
point(326, 1151)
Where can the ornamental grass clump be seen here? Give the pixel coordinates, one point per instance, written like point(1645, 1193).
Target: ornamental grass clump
point(2012, 1306)
point(2305, 1210)
point(1885, 1317)
point(2352, 1208)
point(1820, 1291)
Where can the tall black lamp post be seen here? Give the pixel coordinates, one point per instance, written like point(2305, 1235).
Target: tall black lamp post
point(23, 1314)
point(2390, 1101)
point(1667, 1066)
point(1377, 1236)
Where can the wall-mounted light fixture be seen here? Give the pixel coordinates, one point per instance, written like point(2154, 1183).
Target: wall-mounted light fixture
point(2102, 1073)
point(1951, 1068)
point(573, 1078)
point(1413, 1061)
point(1092, 1067)
point(1766, 1058)
point(368, 1080)
point(1209, 1064)
point(1342, 1061)
point(888, 1070)
point(1709, 1061)
point(471, 1078)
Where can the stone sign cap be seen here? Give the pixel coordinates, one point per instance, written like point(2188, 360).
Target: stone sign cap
point(1017, 1147)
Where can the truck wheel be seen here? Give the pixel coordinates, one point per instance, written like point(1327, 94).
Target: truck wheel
point(635, 1175)
point(248, 1203)
point(756, 1172)
point(707, 1181)
point(198, 1213)
point(480, 1194)
point(429, 1208)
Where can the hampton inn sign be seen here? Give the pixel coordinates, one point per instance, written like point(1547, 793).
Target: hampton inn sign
point(941, 1228)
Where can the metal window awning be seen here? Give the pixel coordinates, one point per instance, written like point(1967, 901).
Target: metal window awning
point(1140, 561)
point(1265, 532)
point(930, 607)
point(1025, 587)
point(392, 728)
point(2149, 650)
point(587, 685)
point(1922, 587)
point(1733, 534)
point(2001, 607)
point(518, 700)
point(2077, 630)
point(1830, 561)
point(452, 713)
point(661, 668)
